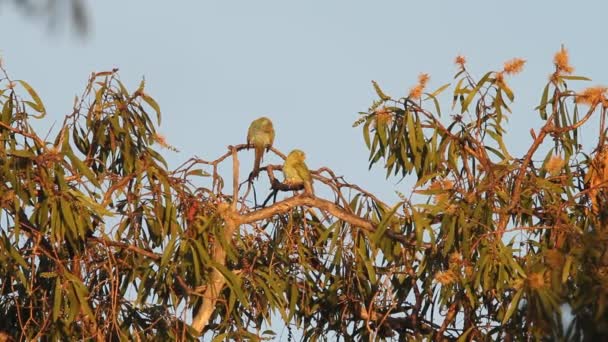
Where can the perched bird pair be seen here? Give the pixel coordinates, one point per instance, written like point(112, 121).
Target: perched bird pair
point(261, 136)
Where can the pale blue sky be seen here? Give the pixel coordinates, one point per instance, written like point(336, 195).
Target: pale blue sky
point(214, 66)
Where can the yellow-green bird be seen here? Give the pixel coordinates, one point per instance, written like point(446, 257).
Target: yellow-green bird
point(296, 171)
point(261, 136)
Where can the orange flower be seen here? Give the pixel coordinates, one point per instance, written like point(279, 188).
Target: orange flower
point(162, 141)
point(383, 116)
point(416, 91)
point(561, 61)
point(445, 278)
point(514, 66)
point(536, 280)
point(500, 78)
point(423, 79)
point(592, 96)
point(460, 60)
point(455, 258)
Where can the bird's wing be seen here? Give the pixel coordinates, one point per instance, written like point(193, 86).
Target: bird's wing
point(250, 134)
point(303, 172)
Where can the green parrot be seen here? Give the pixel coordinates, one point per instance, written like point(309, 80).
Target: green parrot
point(261, 136)
point(296, 171)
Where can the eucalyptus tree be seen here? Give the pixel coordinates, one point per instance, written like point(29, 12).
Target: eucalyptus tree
point(101, 239)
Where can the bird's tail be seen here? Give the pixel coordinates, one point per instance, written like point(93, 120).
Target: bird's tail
point(259, 151)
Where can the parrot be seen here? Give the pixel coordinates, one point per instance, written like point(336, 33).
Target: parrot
point(296, 171)
point(261, 136)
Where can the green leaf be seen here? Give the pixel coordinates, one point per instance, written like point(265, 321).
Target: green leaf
point(293, 300)
point(475, 91)
point(150, 101)
point(542, 107)
point(91, 204)
point(507, 91)
point(57, 297)
point(465, 335)
point(383, 225)
point(68, 216)
point(7, 112)
point(196, 263)
point(448, 226)
point(366, 132)
point(495, 151)
point(37, 105)
point(233, 282)
point(436, 103)
point(418, 224)
point(574, 78)
point(168, 253)
point(498, 138)
point(459, 89)
point(198, 172)
point(48, 275)
point(513, 305)
point(16, 255)
point(73, 303)
point(81, 167)
point(379, 91)
point(411, 131)
point(439, 90)
point(382, 134)
point(202, 252)
point(82, 293)
point(22, 153)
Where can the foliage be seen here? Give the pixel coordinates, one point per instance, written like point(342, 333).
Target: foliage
point(99, 239)
point(514, 239)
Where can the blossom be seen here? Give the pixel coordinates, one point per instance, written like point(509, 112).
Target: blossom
point(514, 66)
point(536, 280)
point(445, 278)
point(592, 96)
point(423, 79)
point(455, 258)
point(500, 78)
point(561, 61)
point(460, 60)
point(383, 116)
point(162, 141)
point(416, 92)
